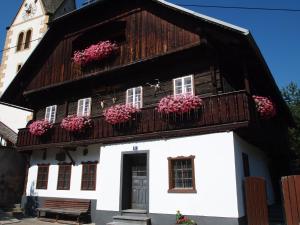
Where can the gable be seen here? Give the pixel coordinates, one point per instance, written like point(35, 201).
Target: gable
point(141, 34)
point(36, 11)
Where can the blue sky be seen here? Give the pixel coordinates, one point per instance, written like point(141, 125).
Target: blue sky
point(276, 33)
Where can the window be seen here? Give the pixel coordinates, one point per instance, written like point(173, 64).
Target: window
point(89, 171)
point(64, 177)
point(20, 41)
point(84, 107)
point(181, 175)
point(246, 167)
point(42, 177)
point(50, 114)
point(27, 39)
point(184, 85)
point(134, 97)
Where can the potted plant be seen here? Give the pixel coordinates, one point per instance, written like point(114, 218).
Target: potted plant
point(264, 106)
point(76, 124)
point(40, 127)
point(179, 107)
point(118, 114)
point(180, 219)
point(95, 53)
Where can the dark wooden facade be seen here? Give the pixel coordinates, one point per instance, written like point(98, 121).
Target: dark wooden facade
point(155, 42)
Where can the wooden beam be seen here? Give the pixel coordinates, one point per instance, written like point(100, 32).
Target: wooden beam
point(246, 78)
point(69, 155)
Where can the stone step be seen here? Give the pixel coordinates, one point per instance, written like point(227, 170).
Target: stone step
point(134, 212)
point(133, 220)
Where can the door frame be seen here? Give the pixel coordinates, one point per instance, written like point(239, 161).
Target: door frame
point(123, 154)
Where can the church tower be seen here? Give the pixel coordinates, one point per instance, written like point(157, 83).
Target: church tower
point(27, 29)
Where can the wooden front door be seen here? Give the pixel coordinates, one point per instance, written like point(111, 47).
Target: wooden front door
point(139, 187)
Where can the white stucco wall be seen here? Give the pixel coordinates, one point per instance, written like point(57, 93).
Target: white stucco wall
point(75, 185)
point(214, 175)
point(258, 164)
point(218, 174)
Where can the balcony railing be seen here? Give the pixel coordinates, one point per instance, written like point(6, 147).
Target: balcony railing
point(219, 112)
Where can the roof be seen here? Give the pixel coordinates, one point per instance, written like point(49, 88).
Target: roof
point(52, 5)
point(7, 133)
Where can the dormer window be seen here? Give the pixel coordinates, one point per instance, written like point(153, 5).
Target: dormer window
point(184, 85)
point(134, 97)
point(84, 107)
point(50, 114)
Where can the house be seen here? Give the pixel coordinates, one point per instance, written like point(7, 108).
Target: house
point(12, 169)
point(150, 161)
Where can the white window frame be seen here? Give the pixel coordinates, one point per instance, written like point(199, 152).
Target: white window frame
point(182, 87)
point(52, 108)
point(84, 103)
point(134, 102)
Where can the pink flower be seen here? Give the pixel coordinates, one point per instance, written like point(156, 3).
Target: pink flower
point(265, 107)
point(179, 103)
point(39, 127)
point(96, 52)
point(74, 123)
point(119, 113)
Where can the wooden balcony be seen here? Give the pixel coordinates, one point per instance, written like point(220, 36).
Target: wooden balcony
point(218, 113)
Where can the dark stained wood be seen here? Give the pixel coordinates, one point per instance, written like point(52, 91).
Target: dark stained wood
point(149, 121)
point(144, 35)
point(256, 201)
point(291, 197)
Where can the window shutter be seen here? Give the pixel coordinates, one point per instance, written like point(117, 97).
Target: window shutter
point(80, 107)
point(87, 107)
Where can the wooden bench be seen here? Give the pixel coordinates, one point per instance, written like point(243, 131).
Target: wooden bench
point(76, 208)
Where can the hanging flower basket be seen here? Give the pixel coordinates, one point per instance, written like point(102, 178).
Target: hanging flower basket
point(76, 124)
point(265, 107)
point(95, 53)
point(180, 219)
point(119, 113)
point(179, 104)
point(39, 127)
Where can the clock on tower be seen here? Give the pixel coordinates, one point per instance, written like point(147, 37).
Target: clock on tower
point(29, 9)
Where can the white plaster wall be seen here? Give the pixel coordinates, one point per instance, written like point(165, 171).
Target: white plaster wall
point(258, 163)
point(13, 118)
point(214, 174)
point(75, 185)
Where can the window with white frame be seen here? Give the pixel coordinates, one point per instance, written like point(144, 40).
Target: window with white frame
point(134, 96)
point(84, 107)
point(184, 85)
point(50, 114)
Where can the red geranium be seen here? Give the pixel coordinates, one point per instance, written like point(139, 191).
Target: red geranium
point(179, 103)
point(39, 127)
point(74, 123)
point(119, 113)
point(264, 106)
point(96, 52)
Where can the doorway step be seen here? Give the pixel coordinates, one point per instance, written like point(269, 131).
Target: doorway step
point(131, 217)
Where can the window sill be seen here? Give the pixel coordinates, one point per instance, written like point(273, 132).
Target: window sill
point(182, 191)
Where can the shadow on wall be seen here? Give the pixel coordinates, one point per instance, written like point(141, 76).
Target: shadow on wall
point(32, 202)
point(12, 174)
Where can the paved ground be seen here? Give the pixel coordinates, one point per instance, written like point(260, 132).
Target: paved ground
point(30, 221)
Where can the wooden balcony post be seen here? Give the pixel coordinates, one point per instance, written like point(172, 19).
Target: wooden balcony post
point(246, 78)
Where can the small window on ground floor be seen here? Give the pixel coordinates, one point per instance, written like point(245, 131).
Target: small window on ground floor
point(181, 175)
point(246, 166)
point(42, 177)
point(89, 176)
point(64, 177)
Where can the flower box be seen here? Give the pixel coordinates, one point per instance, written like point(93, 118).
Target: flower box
point(118, 114)
point(40, 127)
point(264, 106)
point(76, 124)
point(95, 53)
point(179, 104)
